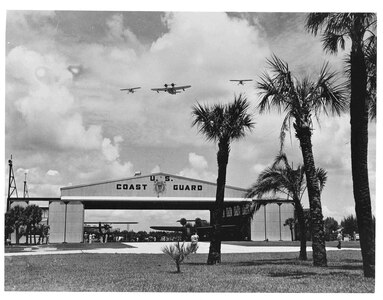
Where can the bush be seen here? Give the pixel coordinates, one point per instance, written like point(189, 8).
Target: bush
point(178, 253)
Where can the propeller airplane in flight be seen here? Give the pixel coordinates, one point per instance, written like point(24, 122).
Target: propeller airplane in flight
point(172, 89)
point(130, 90)
point(241, 81)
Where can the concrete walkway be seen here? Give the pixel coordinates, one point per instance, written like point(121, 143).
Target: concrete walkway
point(155, 248)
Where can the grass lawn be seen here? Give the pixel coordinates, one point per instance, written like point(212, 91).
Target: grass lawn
point(255, 272)
point(68, 246)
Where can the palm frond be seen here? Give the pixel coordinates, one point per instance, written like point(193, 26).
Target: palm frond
point(255, 206)
point(281, 158)
point(327, 94)
point(237, 119)
point(286, 124)
point(331, 41)
point(270, 94)
point(315, 22)
point(322, 177)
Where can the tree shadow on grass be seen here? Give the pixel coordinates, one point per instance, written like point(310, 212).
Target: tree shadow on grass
point(292, 274)
point(286, 261)
point(281, 261)
point(346, 267)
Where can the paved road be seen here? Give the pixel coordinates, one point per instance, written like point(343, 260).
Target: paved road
point(155, 248)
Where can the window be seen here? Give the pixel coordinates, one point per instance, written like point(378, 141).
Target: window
point(229, 212)
point(237, 210)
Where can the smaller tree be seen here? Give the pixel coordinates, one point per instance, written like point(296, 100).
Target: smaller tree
point(178, 253)
point(349, 224)
point(42, 230)
point(291, 223)
point(33, 216)
point(8, 229)
point(15, 219)
point(282, 178)
point(330, 228)
point(142, 235)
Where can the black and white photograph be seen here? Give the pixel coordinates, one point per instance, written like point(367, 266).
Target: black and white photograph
point(169, 149)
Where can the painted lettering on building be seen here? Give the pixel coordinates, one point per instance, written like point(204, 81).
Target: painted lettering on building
point(135, 187)
point(187, 187)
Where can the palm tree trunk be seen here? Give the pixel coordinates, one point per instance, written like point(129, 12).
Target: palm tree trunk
point(359, 159)
point(317, 225)
point(302, 229)
point(214, 256)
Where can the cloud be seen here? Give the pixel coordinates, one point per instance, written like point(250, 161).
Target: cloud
point(197, 161)
point(156, 169)
point(53, 173)
point(198, 168)
point(110, 151)
point(47, 106)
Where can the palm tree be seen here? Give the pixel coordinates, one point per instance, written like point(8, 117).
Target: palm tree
point(283, 178)
point(221, 124)
point(360, 29)
point(291, 223)
point(300, 99)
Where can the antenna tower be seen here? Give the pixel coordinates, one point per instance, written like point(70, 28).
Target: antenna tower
point(26, 193)
point(11, 184)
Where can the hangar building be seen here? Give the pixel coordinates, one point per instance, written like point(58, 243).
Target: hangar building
point(163, 191)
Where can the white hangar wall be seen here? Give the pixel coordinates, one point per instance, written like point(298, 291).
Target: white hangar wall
point(268, 221)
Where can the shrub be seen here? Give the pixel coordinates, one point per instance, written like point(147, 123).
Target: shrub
point(178, 253)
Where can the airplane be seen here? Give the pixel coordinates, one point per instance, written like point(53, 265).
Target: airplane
point(171, 90)
point(240, 81)
point(130, 90)
point(202, 227)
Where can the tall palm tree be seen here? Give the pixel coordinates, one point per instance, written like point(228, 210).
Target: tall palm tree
point(283, 178)
point(221, 124)
point(300, 100)
point(360, 29)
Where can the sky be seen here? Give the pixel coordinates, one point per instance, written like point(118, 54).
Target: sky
point(68, 123)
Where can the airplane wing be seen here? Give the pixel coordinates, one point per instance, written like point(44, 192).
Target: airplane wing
point(241, 79)
point(160, 89)
point(182, 87)
point(211, 227)
point(105, 222)
point(129, 89)
point(168, 228)
point(208, 229)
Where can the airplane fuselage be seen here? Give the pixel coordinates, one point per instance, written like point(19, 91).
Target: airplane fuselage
point(172, 91)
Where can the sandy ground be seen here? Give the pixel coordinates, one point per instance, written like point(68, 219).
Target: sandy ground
point(156, 248)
